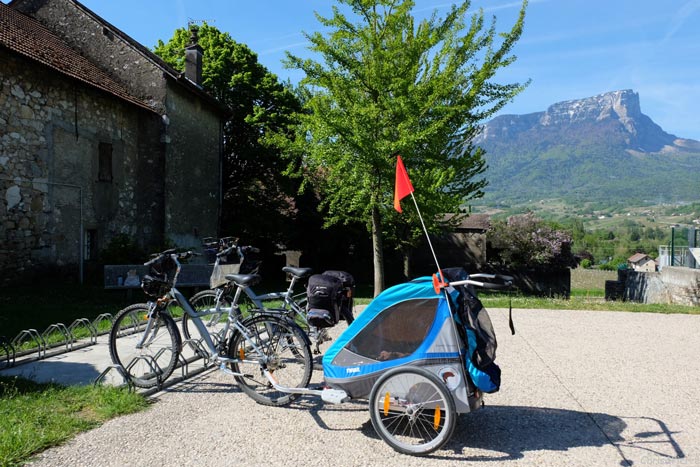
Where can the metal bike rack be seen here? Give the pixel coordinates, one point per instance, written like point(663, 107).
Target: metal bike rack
point(122, 372)
point(8, 356)
point(56, 335)
point(85, 324)
point(57, 338)
point(28, 336)
point(104, 317)
point(152, 364)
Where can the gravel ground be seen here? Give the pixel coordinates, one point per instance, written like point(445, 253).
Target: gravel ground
point(579, 389)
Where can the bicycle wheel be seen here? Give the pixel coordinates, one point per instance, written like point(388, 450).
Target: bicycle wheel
point(412, 410)
point(152, 362)
point(214, 316)
point(275, 344)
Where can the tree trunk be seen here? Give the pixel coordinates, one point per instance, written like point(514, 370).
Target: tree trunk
point(378, 251)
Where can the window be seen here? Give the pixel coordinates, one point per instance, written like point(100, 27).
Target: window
point(104, 162)
point(397, 331)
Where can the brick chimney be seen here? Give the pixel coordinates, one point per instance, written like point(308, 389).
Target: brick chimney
point(193, 58)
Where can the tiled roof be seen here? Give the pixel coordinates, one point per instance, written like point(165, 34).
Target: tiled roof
point(476, 222)
point(635, 258)
point(27, 37)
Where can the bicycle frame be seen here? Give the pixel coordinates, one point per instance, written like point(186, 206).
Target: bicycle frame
point(287, 298)
point(175, 294)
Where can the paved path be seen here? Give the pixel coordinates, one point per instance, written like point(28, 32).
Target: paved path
point(579, 388)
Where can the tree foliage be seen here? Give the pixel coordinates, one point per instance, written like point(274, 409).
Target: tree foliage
point(258, 197)
point(388, 84)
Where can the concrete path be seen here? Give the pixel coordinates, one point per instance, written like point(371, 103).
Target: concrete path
point(77, 367)
point(580, 388)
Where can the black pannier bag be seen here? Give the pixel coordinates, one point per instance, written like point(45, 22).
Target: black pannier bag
point(324, 294)
point(347, 300)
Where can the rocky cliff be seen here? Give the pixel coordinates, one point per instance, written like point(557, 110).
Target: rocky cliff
point(601, 147)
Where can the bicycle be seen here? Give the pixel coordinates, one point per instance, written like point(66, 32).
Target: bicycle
point(262, 352)
point(216, 303)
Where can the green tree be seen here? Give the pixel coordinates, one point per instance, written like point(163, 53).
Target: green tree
point(258, 197)
point(388, 85)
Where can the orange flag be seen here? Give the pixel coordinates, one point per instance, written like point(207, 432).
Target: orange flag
point(403, 185)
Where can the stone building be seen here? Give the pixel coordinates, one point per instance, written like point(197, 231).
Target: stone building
point(98, 137)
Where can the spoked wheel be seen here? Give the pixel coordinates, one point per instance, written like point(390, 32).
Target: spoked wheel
point(148, 354)
point(275, 344)
point(215, 317)
point(412, 410)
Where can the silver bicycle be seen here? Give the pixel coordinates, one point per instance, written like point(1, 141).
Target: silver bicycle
point(214, 305)
point(262, 351)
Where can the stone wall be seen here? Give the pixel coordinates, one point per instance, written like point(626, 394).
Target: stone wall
point(193, 172)
point(50, 131)
point(98, 42)
point(190, 130)
point(672, 285)
point(166, 180)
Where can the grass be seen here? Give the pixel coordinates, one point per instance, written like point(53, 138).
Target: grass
point(36, 416)
point(580, 302)
point(587, 293)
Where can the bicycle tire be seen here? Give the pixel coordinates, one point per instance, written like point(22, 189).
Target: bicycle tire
point(412, 410)
point(215, 321)
point(283, 349)
point(154, 363)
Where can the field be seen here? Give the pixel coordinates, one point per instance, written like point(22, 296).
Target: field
point(590, 281)
point(599, 217)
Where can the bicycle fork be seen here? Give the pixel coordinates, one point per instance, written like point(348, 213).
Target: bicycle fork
point(149, 334)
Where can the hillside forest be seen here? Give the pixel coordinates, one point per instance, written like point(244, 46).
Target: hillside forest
point(604, 237)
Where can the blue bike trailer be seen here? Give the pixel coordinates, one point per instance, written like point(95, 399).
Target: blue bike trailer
point(408, 324)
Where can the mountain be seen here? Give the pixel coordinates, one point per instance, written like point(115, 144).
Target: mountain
point(598, 149)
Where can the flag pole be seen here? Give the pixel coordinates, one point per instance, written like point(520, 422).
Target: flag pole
point(403, 188)
point(427, 237)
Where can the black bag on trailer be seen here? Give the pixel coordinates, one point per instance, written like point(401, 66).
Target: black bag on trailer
point(324, 294)
point(475, 323)
point(347, 301)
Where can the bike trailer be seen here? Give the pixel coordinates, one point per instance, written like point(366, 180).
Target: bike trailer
point(408, 324)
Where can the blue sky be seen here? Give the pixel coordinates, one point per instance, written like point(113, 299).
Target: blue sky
point(570, 48)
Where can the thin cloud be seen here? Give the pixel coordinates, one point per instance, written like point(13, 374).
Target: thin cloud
point(681, 16)
point(283, 47)
point(489, 8)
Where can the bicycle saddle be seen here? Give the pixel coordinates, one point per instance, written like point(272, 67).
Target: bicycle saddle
point(244, 280)
point(299, 272)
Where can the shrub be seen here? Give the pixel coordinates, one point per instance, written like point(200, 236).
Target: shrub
point(525, 241)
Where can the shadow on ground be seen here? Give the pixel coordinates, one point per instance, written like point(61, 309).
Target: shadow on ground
point(45, 371)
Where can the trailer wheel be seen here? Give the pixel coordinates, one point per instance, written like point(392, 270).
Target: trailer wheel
point(412, 410)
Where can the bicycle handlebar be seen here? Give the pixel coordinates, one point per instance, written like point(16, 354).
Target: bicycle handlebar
point(226, 251)
point(173, 253)
point(506, 282)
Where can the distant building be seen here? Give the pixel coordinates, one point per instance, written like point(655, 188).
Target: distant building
point(98, 137)
point(461, 246)
point(641, 262)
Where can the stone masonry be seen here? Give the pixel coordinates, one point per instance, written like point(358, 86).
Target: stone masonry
point(50, 130)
